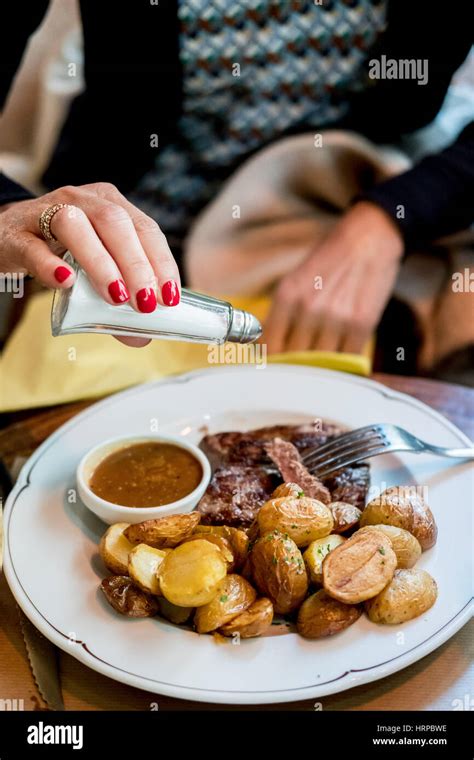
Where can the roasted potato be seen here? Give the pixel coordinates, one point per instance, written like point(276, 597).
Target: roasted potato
point(402, 507)
point(409, 594)
point(287, 489)
point(239, 542)
point(114, 549)
point(236, 539)
point(315, 554)
point(252, 531)
point(321, 615)
point(127, 599)
point(251, 623)
point(303, 519)
point(173, 613)
point(190, 574)
point(359, 568)
point(279, 571)
point(218, 540)
point(246, 571)
point(404, 544)
point(164, 532)
point(234, 595)
point(345, 516)
point(143, 564)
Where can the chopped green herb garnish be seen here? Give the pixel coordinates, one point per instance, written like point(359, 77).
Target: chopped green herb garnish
point(381, 550)
point(300, 494)
point(224, 598)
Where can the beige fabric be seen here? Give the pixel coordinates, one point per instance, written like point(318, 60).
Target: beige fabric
point(49, 77)
point(281, 203)
point(445, 315)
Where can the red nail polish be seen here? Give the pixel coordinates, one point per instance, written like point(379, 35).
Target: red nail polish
point(170, 293)
point(118, 291)
point(62, 273)
point(146, 300)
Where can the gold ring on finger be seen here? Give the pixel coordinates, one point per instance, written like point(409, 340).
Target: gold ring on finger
point(46, 217)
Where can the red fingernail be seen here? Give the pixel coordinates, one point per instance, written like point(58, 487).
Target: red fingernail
point(146, 300)
point(62, 273)
point(118, 291)
point(170, 293)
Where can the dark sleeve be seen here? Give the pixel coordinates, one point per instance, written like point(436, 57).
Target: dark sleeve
point(23, 19)
point(132, 75)
point(19, 22)
point(10, 191)
point(436, 197)
point(388, 108)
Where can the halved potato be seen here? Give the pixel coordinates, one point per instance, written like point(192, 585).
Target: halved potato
point(359, 568)
point(234, 595)
point(253, 622)
point(114, 549)
point(302, 519)
point(163, 532)
point(190, 574)
point(320, 615)
point(404, 544)
point(143, 564)
point(316, 552)
point(409, 594)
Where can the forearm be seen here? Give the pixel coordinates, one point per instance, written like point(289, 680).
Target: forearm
point(435, 198)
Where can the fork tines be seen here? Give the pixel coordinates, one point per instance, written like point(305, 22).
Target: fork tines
point(346, 449)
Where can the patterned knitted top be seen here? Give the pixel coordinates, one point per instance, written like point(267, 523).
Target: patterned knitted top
point(252, 70)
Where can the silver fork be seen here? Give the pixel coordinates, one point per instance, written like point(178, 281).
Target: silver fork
point(370, 441)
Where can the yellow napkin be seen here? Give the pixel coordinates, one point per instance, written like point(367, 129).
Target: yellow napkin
point(39, 370)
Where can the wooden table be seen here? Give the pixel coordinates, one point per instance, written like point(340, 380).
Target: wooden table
point(436, 682)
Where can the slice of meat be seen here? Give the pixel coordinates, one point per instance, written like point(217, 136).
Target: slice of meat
point(350, 484)
point(288, 460)
point(248, 448)
point(235, 494)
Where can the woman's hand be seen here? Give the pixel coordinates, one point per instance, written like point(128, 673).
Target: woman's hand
point(122, 250)
point(334, 300)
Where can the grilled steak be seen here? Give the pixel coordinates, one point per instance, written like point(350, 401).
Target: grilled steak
point(249, 448)
point(350, 484)
point(235, 494)
point(288, 460)
point(245, 475)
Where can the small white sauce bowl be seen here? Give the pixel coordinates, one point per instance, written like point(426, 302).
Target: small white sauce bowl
point(112, 513)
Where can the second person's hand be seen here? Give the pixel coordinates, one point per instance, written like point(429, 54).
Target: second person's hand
point(333, 301)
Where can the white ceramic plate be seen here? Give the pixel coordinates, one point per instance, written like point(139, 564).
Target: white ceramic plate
point(53, 569)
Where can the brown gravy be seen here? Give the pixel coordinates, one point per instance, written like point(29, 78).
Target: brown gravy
point(146, 475)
